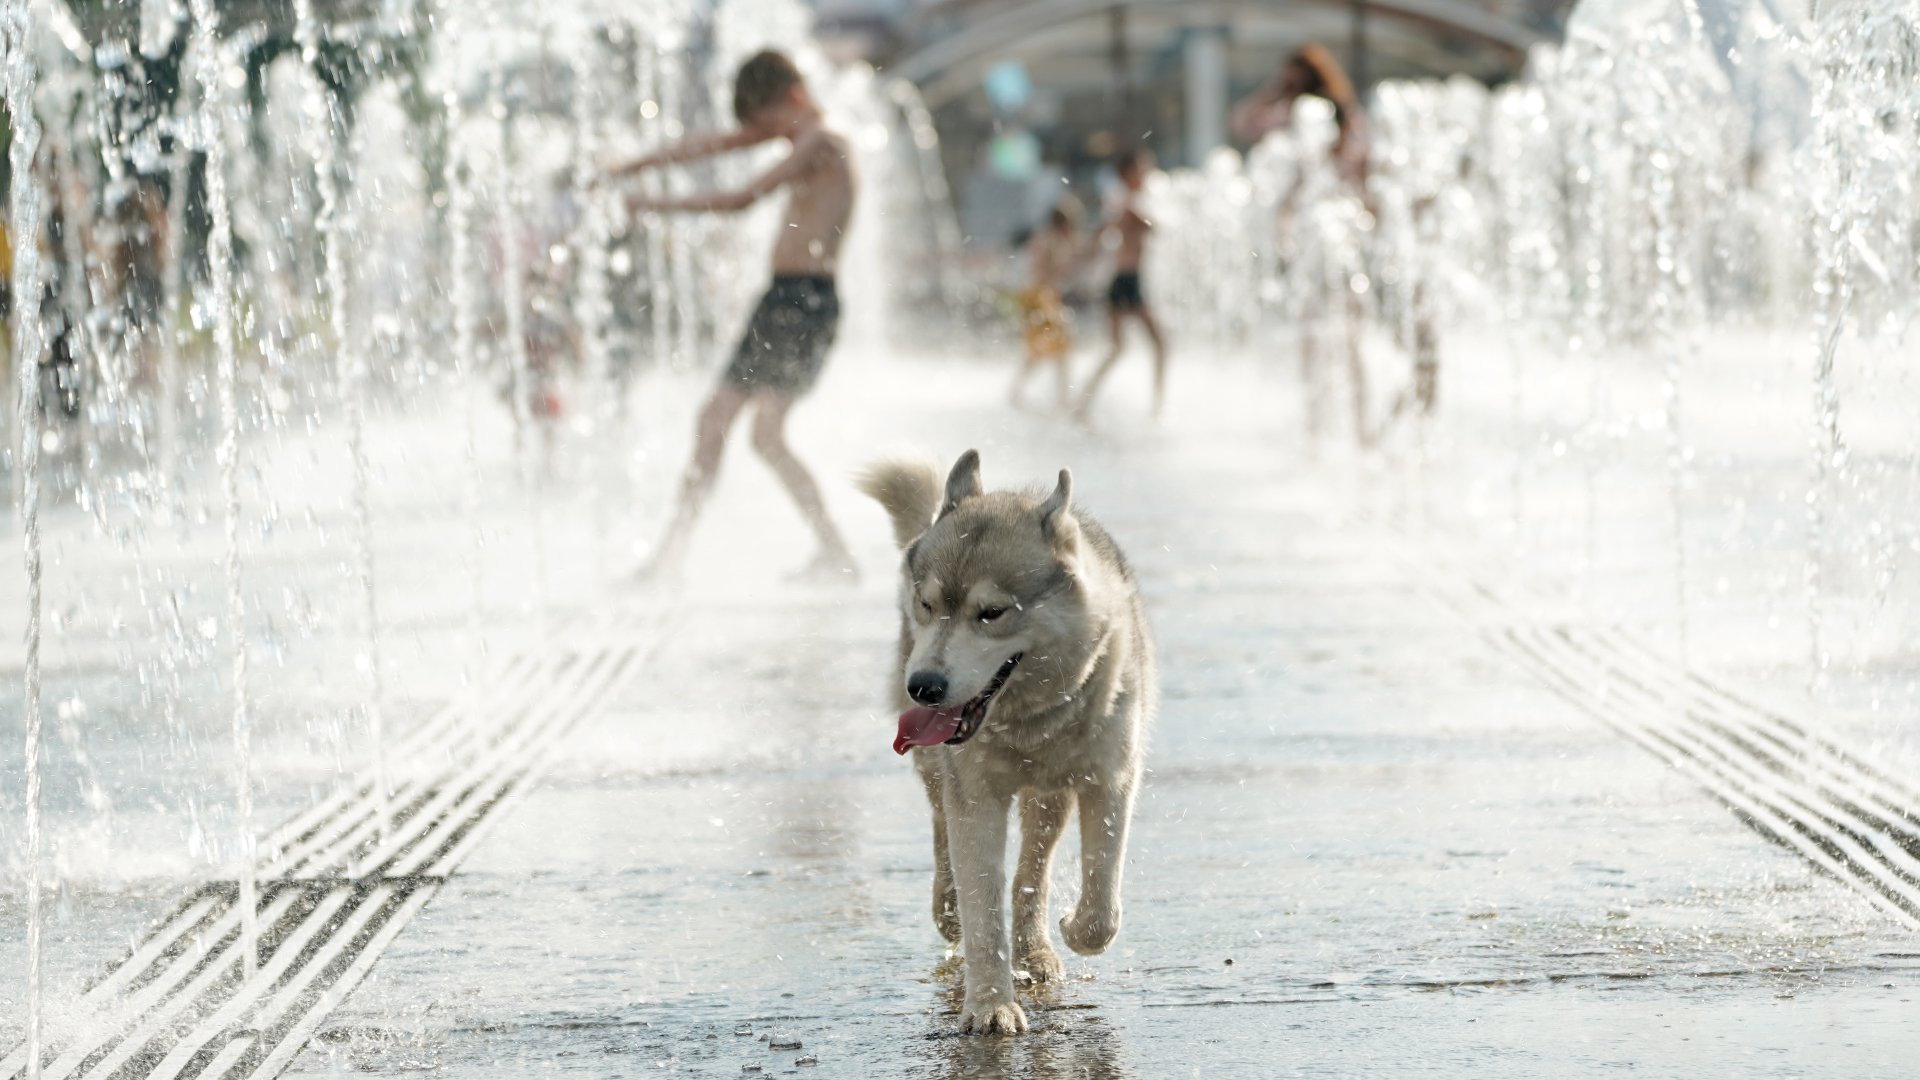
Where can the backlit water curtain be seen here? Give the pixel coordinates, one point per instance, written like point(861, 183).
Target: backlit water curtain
point(1669, 179)
point(234, 225)
point(229, 231)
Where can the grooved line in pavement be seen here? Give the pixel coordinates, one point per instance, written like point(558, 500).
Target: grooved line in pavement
point(340, 880)
point(1801, 791)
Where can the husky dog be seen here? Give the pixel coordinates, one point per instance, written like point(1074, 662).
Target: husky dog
point(1026, 671)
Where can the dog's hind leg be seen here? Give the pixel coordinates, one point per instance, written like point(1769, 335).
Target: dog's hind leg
point(1042, 819)
point(946, 906)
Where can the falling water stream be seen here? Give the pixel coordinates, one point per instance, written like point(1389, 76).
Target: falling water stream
point(672, 77)
point(1668, 294)
point(1865, 150)
point(1833, 297)
point(1588, 329)
point(350, 381)
point(591, 308)
point(79, 303)
point(1834, 294)
point(466, 348)
point(530, 443)
point(647, 68)
point(29, 343)
point(1510, 153)
point(209, 59)
point(173, 287)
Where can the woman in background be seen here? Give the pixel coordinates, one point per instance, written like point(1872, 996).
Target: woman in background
point(1311, 72)
point(1326, 215)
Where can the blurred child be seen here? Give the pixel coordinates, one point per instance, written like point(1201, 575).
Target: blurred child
point(551, 341)
point(1124, 296)
point(1053, 255)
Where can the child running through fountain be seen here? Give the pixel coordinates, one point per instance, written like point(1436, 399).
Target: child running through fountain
point(1124, 298)
point(786, 341)
point(1054, 255)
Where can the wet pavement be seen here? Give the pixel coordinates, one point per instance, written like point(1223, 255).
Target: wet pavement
point(1368, 841)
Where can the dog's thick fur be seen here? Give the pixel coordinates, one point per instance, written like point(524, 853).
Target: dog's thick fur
point(1066, 728)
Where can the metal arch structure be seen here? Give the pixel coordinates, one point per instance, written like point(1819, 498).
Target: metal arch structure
point(994, 24)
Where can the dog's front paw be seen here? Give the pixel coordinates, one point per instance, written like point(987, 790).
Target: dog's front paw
point(995, 1016)
point(1089, 930)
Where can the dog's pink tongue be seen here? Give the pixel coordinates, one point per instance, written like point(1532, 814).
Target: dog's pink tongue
point(921, 726)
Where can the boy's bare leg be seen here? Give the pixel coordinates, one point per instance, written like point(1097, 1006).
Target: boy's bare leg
point(1159, 360)
point(709, 442)
point(1114, 320)
point(770, 442)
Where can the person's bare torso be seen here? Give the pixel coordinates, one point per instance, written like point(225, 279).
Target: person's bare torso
point(1132, 229)
point(819, 206)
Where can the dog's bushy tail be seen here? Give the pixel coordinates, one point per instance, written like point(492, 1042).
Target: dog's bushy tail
point(908, 490)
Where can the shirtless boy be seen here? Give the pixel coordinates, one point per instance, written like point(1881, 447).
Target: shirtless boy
point(786, 341)
point(1124, 297)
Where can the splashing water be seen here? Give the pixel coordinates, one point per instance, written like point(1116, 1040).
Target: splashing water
point(466, 350)
point(678, 232)
point(532, 445)
point(592, 310)
point(659, 315)
point(1866, 148)
point(1625, 201)
point(350, 380)
point(29, 345)
point(212, 75)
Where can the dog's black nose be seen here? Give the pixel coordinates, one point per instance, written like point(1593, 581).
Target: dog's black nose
point(927, 688)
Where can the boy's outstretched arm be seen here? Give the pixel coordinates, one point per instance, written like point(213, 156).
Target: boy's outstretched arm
point(739, 199)
point(691, 148)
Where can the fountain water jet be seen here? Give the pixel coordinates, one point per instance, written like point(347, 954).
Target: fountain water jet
point(29, 344)
point(211, 71)
point(1866, 120)
point(592, 308)
point(670, 71)
point(466, 333)
point(530, 445)
point(350, 379)
point(1667, 298)
point(646, 64)
point(173, 287)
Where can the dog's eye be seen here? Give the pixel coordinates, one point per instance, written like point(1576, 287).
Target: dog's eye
point(926, 608)
point(992, 613)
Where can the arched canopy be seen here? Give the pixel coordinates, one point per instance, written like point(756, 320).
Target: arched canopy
point(950, 42)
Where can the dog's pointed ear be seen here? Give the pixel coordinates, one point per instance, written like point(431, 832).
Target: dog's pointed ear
point(1055, 520)
point(963, 482)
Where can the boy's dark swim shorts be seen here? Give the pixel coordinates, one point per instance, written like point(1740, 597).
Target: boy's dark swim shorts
point(1124, 293)
point(787, 339)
